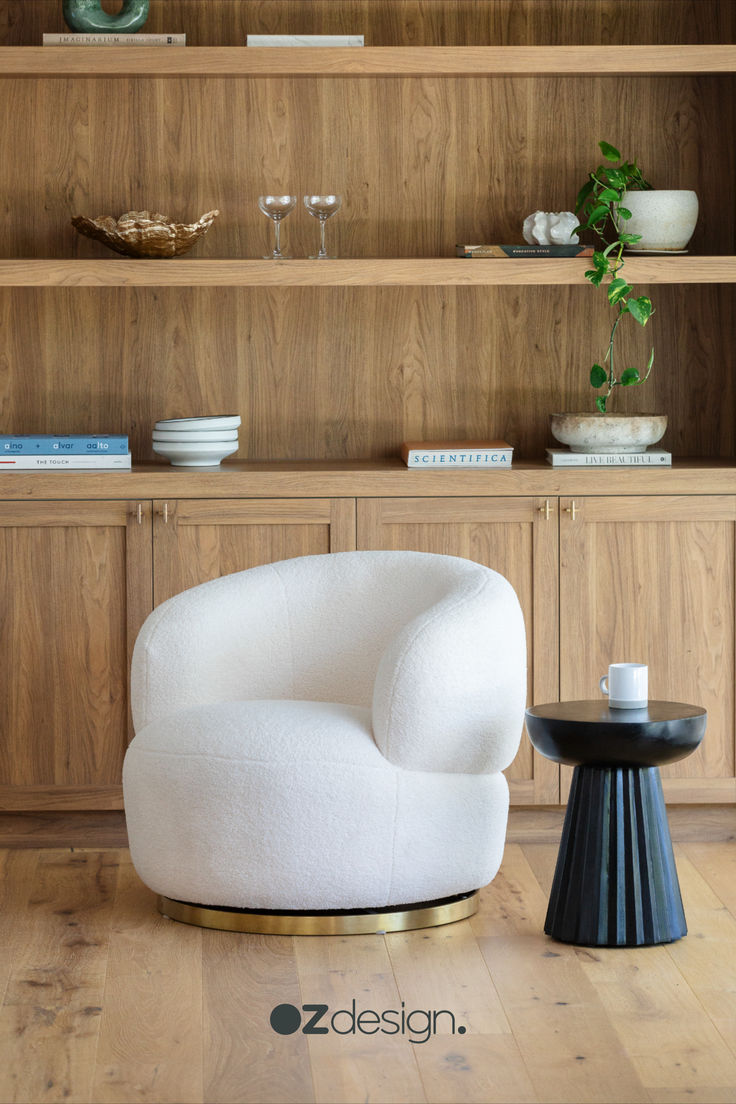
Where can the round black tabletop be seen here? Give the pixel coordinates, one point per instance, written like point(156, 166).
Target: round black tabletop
point(590, 733)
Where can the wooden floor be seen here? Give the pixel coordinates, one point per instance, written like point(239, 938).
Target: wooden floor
point(104, 1000)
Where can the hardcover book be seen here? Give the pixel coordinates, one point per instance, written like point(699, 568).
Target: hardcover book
point(564, 458)
point(303, 40)
point(523, 250)
point(114, 40)
point(55, 462)
point(457, 454)
point(76, 444)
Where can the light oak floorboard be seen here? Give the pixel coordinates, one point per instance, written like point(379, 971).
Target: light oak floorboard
point(336, 970)
point(104, 1000)
point(151, 1036)
point(50, 1017)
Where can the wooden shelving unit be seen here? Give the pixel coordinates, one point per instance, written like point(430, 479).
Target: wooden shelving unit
point(430, 143)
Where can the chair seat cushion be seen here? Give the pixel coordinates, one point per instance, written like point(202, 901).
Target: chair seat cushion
point(291, 805)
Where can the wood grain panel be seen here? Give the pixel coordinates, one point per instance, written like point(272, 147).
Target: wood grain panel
point(195, 542)
point(513, 537)
point(407, 22)
point(350, 373)
point(67, 634)
point(402, 197)
point(653, 581)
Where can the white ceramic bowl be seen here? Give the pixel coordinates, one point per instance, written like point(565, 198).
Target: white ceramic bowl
point(193, 436)
point(214, 421)
point(202, 455)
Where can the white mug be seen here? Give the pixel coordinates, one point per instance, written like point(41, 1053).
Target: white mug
point(627, 685)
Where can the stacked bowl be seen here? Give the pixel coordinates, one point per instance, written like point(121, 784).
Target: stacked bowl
point(196, 442)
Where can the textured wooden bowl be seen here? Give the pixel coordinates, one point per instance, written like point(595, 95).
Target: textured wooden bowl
point(144, 233)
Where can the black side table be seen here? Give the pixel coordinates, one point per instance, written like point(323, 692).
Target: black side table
point(615, 883)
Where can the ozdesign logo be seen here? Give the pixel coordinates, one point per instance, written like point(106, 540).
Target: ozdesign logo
point(419, 1024)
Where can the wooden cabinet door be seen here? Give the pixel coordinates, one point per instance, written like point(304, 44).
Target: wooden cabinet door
point(75, 587)
point(651, 580)
point(518, 538)
point(196, 540)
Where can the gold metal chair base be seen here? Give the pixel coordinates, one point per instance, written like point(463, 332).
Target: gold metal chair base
point(425, 914)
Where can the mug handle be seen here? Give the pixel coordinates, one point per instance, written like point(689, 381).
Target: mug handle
point(604, 689)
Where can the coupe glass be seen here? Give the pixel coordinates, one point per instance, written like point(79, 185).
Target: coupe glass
point(276, 208)
point(322, 208)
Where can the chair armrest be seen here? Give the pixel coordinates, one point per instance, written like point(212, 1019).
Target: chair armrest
point(451, 687)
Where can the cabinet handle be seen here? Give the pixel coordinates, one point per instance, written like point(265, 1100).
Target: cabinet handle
point(165, 513)
point(571, 510)
point(139, 513)
point(545, 509)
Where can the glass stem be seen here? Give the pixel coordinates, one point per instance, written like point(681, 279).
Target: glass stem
point(322, 250)
point(277, 227)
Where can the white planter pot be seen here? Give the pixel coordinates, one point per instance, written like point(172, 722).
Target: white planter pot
point(592, 432)
point(665, 219)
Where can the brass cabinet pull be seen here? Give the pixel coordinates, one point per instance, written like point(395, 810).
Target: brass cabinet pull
point(545, 509)
point(165, 513)
point(139, 513)
point(571, 510)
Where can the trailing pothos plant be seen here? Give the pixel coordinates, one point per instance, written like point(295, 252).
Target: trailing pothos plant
point(599, 206)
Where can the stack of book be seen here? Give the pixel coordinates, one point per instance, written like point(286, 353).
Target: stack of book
point(651, 457)
point(69, 452)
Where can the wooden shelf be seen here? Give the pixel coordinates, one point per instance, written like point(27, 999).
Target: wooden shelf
point(370, 61)
point(376, 478)
point(452, 271)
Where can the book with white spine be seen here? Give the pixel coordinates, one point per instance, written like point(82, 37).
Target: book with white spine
point(55, 462)
point(304, 40)
point(564, 458)
point(114, 40)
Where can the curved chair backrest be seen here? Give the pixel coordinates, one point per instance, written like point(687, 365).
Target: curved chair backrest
point(434, 644)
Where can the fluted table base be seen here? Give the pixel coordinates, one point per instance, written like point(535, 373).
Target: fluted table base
point(615, 883)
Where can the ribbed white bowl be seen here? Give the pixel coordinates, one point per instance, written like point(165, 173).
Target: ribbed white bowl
point(195, 436)
point(195, 455)
point(214, 421)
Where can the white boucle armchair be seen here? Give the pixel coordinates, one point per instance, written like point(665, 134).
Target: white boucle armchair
point(326, 733)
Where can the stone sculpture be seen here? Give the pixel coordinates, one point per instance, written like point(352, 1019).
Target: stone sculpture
point(88, 17)
point(551, 228)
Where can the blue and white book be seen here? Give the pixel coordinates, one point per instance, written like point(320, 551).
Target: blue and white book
point(71, 444)
point(55, 461)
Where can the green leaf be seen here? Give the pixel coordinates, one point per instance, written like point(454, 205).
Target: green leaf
point(600, 260)
point(598, 213)
point(595, 275)
point(598, 376)
point(631, 375)
point(609, 152)
point(629, 239)
point(617, 290)
point(641, 309)
point(609, 195)
point(583, 194)
point(616, 178)
point(623, 212)
point(600, 402)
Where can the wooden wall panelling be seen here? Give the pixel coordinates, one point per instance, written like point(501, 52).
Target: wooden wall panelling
point(512, 536)
point(349, 373)
point(198, 540)
point(75, 585)
point(651, 580)
point(450, 170)
point(408, 22)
